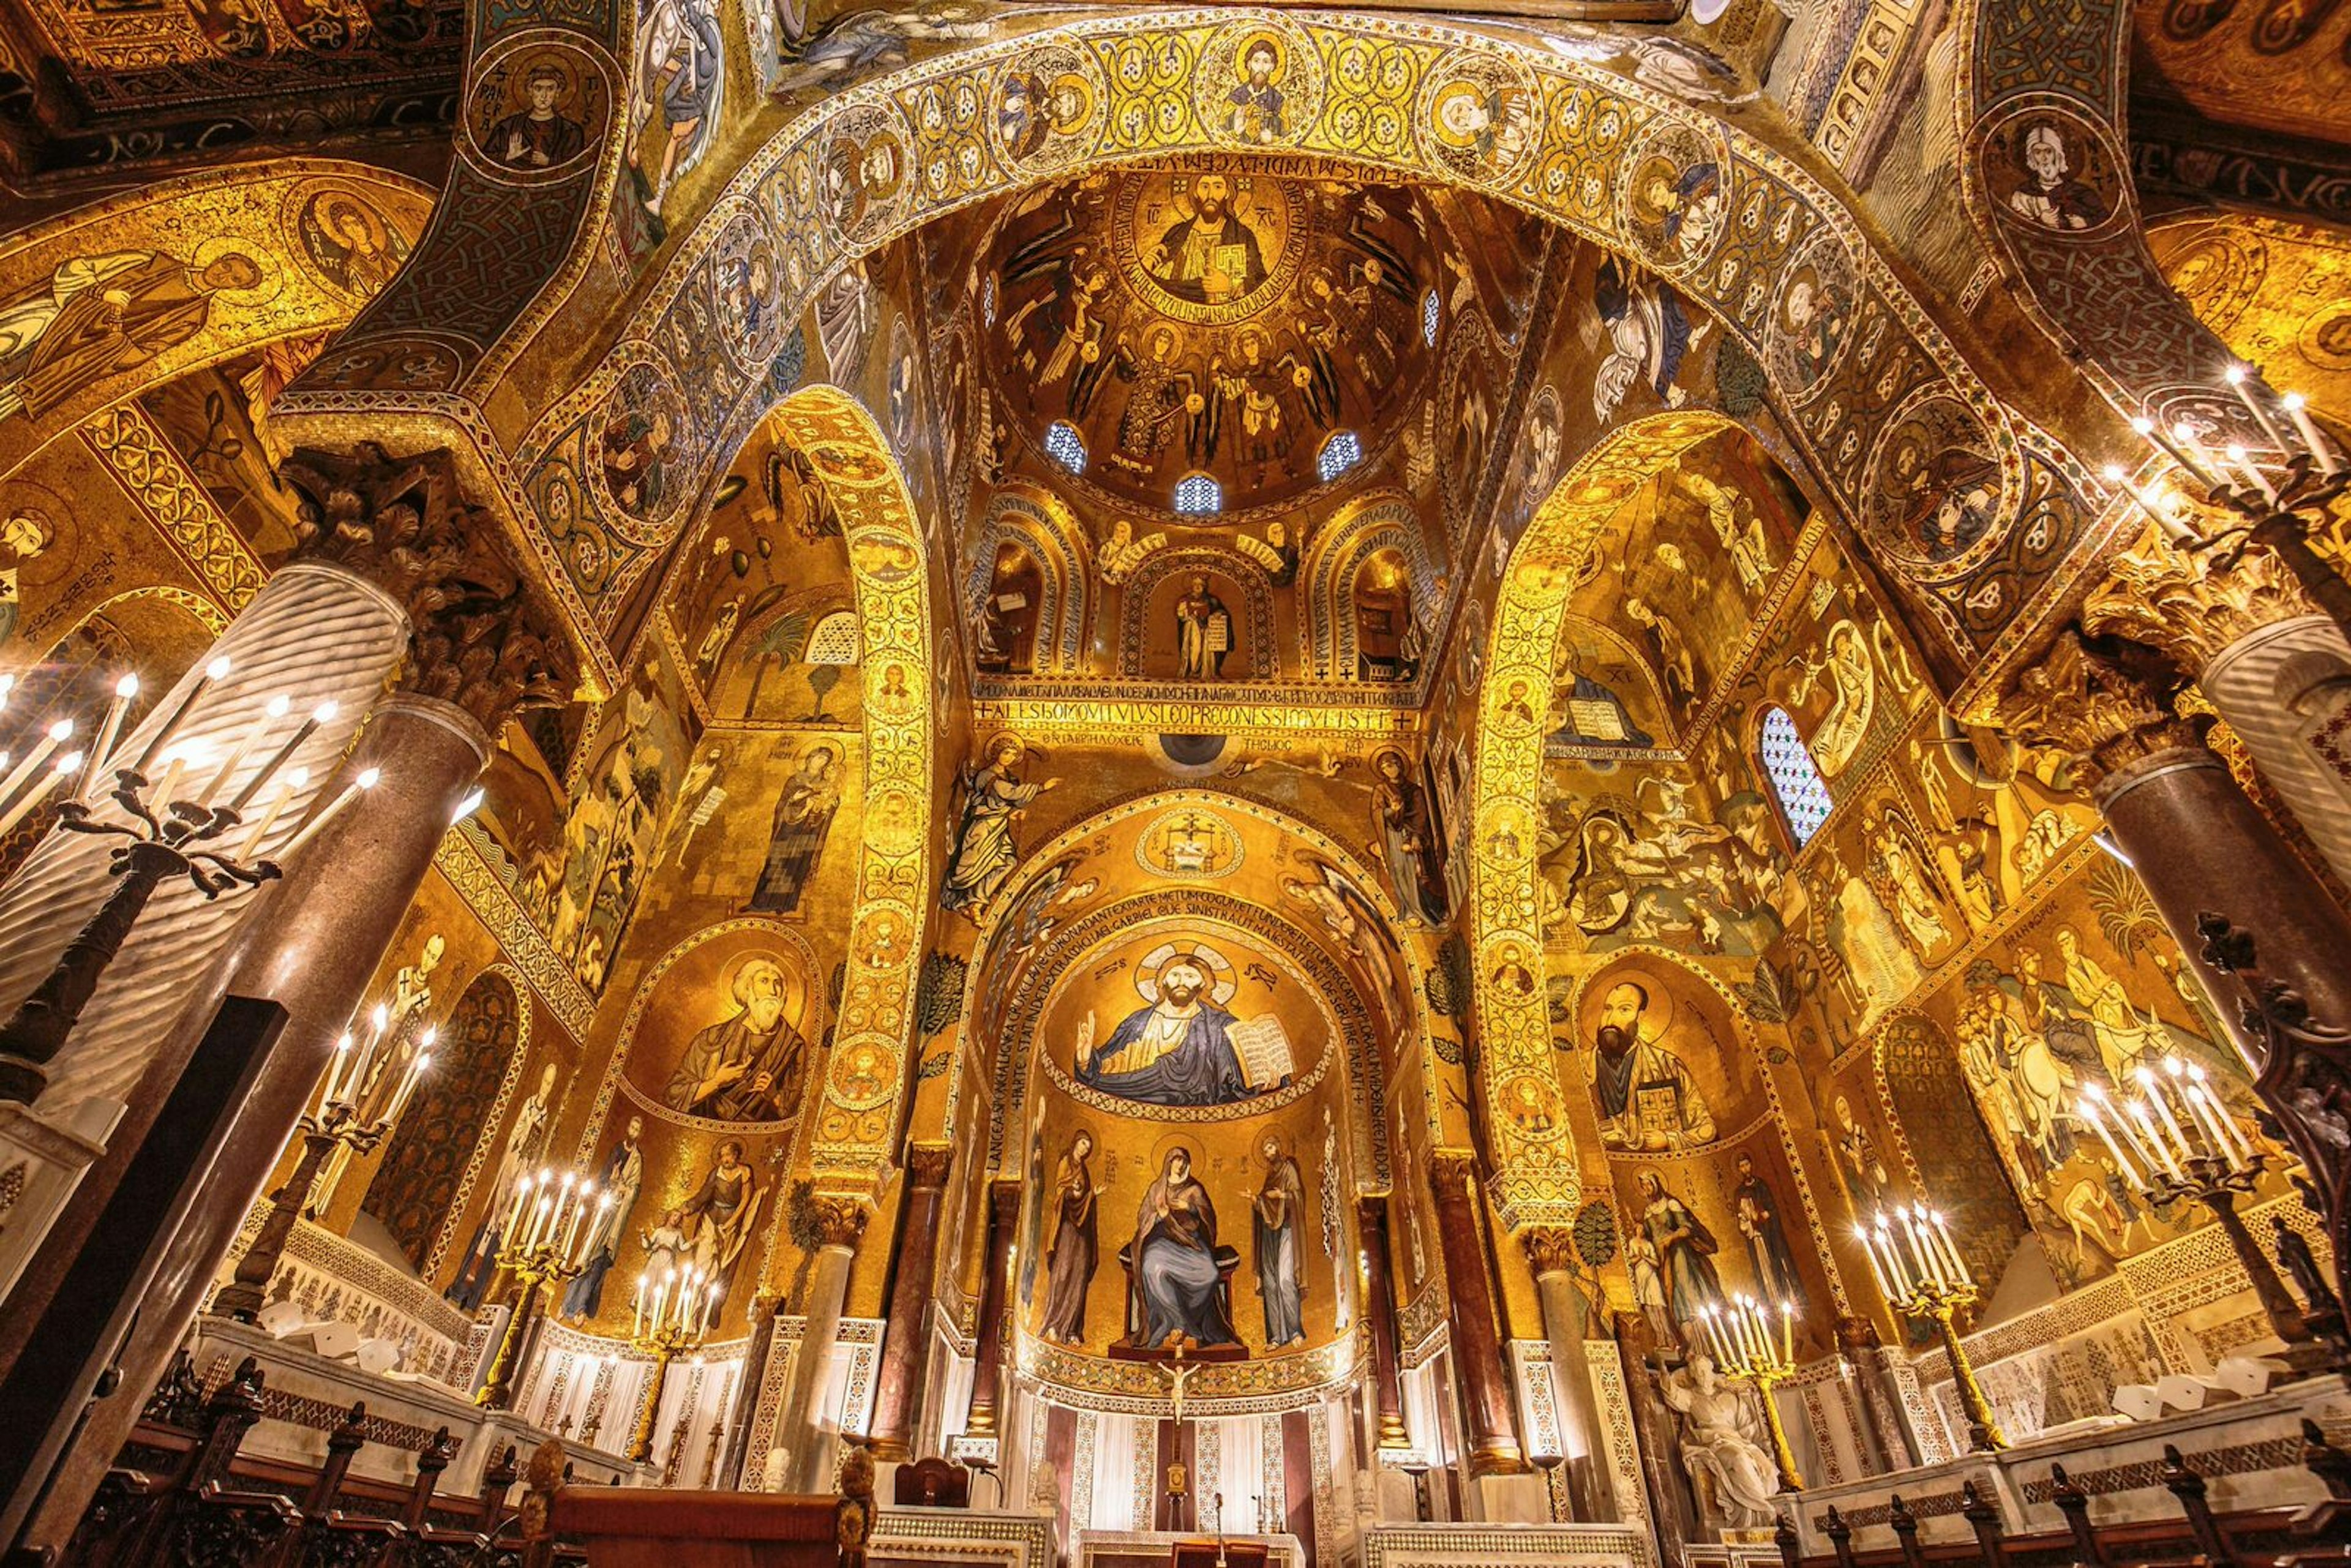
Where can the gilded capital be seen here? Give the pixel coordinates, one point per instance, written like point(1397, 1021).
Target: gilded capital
point(2190, 607)
point(926, 1164)
point(1549, 1247)
point(480, 636)
point(1448, 1169)
point(839, 1220)
point(2087, 704)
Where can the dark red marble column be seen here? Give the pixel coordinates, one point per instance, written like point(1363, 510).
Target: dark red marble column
point(1494, 1447)
point(988, 1360)
point(905, 1338)
point(1379, 1306)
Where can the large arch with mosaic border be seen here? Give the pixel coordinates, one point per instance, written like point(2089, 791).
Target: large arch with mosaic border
point(1358, 87)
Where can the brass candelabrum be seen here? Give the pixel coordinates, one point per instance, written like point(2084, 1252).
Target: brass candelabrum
point(543, 1245)
point(1747, 1350)
point(355, 1109)
point(176, 811)
point(667, 1325)
point(2278, 498)
point(2187, 1145)
point(1920, 1273)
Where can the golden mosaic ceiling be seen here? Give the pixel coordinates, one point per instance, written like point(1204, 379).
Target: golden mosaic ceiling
point(1213, 316)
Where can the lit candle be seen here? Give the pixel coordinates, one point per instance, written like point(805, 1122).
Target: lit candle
point(637, 1309)
point(1924, 1244)
point(2239, 1146)
point(2200, 456)
point(577, 1202)
point(1939, 1238)
point(214, 671)
point(1910, 1240)
point(408, 1087)
point(7, 689)
point(710, 1306)
point(2088, 1109)
point(176, 761)
point(271, 712)
point(2242, 461)
point(351, 792)
point(603, 1205)
point(2137, 1111)
point(109, 729)
point(2150, 1084)
point(2240, 382)
point(294, 781)
point(1877, 1270)
point(1788, 1333)
point(57, 736)
point(335, 1071)
point(514, 1215)
point(64, 768)
point(2216, 1146)
point(1902, 1280)
point(2152, 505)
point(302, 732)
point(539, 1212)
point(661, 1296)
point(2319, 447)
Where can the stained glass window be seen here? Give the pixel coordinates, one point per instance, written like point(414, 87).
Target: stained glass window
point(1065, 446)
point(1796, 781)
point(1339, 453)
point(1431, 310)
point(833, 640)
point(1196, 495)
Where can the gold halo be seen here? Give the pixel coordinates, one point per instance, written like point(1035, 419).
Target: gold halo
point(1223, 979)
point(733, 972)
point(212, 250)
point(1274, 45)
point(1447, 94)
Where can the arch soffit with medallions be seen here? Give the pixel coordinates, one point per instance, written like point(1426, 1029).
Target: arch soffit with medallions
point(1358, 530)
point(1007, 954)
point(1774, 219)
point(1538, 1181)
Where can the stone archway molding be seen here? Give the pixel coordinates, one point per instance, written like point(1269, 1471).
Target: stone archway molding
point(1537, 1180)
point(1357, 93)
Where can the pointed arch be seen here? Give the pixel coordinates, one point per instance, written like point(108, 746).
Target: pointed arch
point(1537, 1180)
point(421, 1188)
point(1257, 592)
point(1011, 912)
point(890, 570)
point(1038, 519)
point(1358, 530)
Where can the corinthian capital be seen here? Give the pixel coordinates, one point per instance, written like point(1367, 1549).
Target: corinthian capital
point(2190, 606)
point(2089, 704)
point(840, 1220)
point(1549, 1247)
point(482, 635)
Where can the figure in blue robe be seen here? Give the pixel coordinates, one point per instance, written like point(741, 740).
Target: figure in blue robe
point(1178, 1283)
point(1178, 1051)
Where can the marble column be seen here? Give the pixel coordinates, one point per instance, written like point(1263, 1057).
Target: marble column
point(480, 644)
point(2197, 844)
point(746, 1409)
point(1379, 1302)
point(802, 1437)
point(1565, 1313)
point(2271, 662)
point(987, 1358)
point(1477, 1340)
point(905, 1338)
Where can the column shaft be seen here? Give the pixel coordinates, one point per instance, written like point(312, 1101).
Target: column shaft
point(1379, 1302)
point(1564, 1314)
point(799, 1421)
point(312, 948)
point(1477, 1342)
point(906, 1339)
point(988, 1363)
point(2199, 845)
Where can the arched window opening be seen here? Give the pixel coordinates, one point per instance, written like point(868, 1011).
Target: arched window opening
point(1065, 446)
point(1339, 453)
point(1197, 495)
point(834, 640)
point(1796, 783)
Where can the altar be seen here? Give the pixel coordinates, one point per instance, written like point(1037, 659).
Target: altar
point(1184, 1549)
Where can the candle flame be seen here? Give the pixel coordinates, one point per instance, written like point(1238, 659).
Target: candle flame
point(297, 779)
point(423, 1063)
point(431, 1035)
point(61, 731)
point(69, 763)
point(325, 711)
point(2143, 426)
point(218, 669)
point(279, 705)
point(2294, 402)
point(367, 780)
point(127, 687)
point(2234, 375)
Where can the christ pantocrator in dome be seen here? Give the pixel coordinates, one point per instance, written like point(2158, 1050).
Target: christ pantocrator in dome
point(1212, 257)
point(1182, 1048)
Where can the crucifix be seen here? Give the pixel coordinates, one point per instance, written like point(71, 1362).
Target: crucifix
point(1175, 1452)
